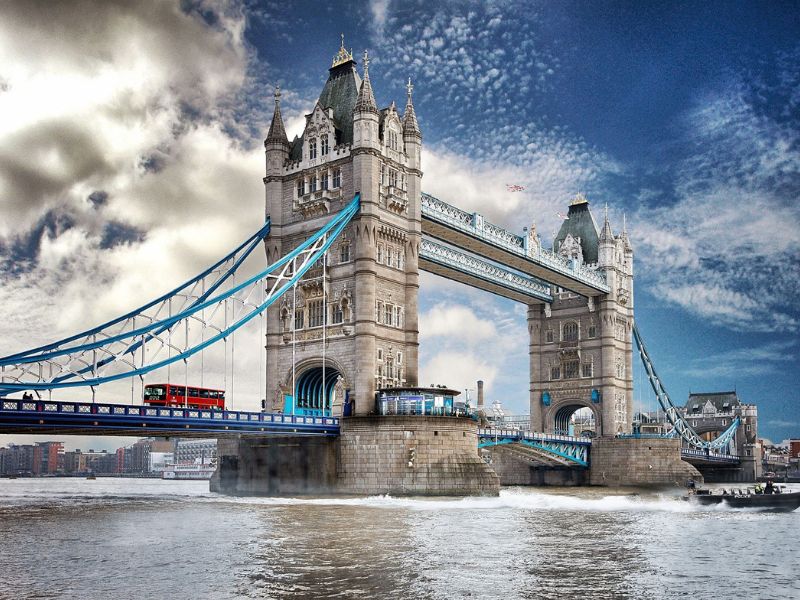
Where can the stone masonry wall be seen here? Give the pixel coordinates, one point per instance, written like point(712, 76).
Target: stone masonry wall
point(374, 453)
point(639, 462)
point(514, 470)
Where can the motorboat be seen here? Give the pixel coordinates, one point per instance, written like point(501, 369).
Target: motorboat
point(777, 501)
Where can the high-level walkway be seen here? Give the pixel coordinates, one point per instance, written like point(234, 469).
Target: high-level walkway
point(470, 231)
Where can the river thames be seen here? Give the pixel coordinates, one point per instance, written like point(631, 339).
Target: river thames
point(134, 538)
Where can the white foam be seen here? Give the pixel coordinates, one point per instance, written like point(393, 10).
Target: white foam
point(508, 499)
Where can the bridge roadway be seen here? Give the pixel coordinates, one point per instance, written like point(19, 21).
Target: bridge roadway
point(47, 417)
point(470, 231)
point(575, 451)
point(52, 417)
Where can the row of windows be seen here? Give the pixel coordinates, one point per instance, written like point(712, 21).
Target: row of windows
point(323, 181)
point(323, 147)
point(391, 256)
point(313, 315)
point(570, 332)
point(389, 314)
point(389, 369)
point(571, 368)
point(392, 177)
point(385, 382)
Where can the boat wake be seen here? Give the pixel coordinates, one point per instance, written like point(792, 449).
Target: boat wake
point(508, 499)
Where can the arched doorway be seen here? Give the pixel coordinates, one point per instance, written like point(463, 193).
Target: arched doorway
point(576, 420)
point(314, 390)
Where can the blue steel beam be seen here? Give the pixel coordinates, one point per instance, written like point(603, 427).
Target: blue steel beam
point(476, 272)
point(472, 232)
point(26, 370)
point(679, 423)
point(76, 418)
point(573, 449)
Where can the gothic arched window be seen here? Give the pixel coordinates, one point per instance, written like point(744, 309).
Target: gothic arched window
point(312, 148)
point(570, 332)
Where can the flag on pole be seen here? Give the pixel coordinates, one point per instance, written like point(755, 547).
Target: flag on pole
point(564, 217)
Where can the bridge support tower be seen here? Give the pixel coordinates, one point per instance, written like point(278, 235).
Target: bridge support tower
point(581, 349)
point(349, 328)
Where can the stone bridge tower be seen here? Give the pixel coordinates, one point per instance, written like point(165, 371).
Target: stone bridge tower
point(365, 298)
point(581, 348)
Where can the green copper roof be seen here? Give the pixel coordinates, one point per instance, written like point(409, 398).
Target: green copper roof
point(340, 93)
point(581, 225)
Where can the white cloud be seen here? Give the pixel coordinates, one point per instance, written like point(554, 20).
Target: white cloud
point(454, 320)
point(379, 10)
point(138, 107)
point(727, 249)
point(743, 362)
point(458, 370)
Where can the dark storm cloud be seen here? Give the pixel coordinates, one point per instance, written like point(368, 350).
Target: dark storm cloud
point(39, 164)
point(116, 233)
point(20, 253)
point(98, 199)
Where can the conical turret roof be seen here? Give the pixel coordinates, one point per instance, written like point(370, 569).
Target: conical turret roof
point(277, 132)
point(366, 99)
point(410, 124)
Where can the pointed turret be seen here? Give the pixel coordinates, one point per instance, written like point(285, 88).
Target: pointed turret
point(626, 242)
point(606, 235)
point(277, 132)
point(366, 99)
point(606, 243)
point(410, 125)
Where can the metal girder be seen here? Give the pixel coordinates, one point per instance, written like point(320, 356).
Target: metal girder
point(680, 425)
point(81, 418)
point(467, 268)
point(471, 231)
point(572, 449)
point(116, 349)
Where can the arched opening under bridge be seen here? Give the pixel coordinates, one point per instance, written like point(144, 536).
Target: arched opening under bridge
point(575, 419)
point(315, 390)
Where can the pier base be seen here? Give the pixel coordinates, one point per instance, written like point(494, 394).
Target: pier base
point(396, 455)
point(639, 462)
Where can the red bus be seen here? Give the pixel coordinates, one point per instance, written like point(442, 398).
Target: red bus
point(169, 394)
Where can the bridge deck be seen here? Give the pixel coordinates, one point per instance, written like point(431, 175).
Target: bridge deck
point(475, 272)
point(77, 418)
point(470, 232)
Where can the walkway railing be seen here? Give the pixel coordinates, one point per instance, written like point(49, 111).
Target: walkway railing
point(481, 269)
point(476, 226)
point(140, 420)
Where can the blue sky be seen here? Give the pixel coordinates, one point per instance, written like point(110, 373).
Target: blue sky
point(130, 140)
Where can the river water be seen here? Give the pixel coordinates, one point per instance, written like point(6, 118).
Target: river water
point(134, 538)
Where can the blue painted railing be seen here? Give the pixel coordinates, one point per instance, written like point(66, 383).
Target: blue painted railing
point(477, 226)
point(457, 260)
point(572, 449)
point(46, 415)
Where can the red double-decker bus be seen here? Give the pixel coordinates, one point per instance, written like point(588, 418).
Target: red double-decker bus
point(169, 394)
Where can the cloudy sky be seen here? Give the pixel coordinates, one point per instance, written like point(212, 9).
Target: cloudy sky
point(131, 158)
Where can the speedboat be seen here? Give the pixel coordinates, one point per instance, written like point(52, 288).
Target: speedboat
point(778, 501)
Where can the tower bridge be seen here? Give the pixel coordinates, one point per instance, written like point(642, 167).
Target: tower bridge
point(348, 229)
